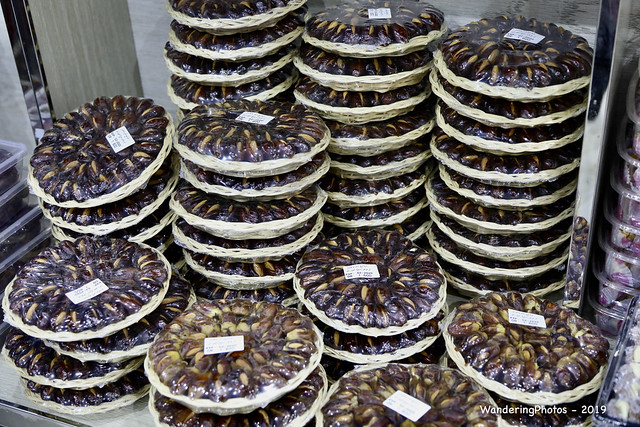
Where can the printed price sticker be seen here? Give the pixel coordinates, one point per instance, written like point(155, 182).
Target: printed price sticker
point(255, 118)
point(382, 13)
point(120, 139)
point(524, 35)
point(217, 345)
point(526, 319)
point(407, 406)
point(87, 291)
point(361, 271)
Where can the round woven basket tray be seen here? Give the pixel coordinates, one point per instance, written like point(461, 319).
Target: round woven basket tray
point(516, 94)
point(374, 223)
point(499, 178)
point(249, 255)
point(420, 231)
point(362, 115)
point(245, 230)
point(498, 147)
point(538, 398)
point(472, 292)
point(375, 146)
point(119, 193)
point(262, 96)
point(377, 172)
point(347, 201)
point(249, 169)
point(511, 204)
point(374, 51)
point(128, 221)
point(231, 79)
point(571, 304)
point(382, 83)
point(502, 121)
point(245, 24)
point(267, 193)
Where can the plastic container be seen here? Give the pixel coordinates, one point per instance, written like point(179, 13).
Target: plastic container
point(633, 112)
point(629, 169)
point(14, 203)
point(21, 231)
point(613, 295)
point(12, 158)
point(628, 204)
point(623, 237)
point(609, 321)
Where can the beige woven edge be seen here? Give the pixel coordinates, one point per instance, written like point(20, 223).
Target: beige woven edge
point(252, 169)
point(244, 230)
point(128, 221)
point(121, 402)
point(502, 253)
point(381, 83)
point(518, 94)
point(120, 193)
point(356, 329)
point(234, 79)
point(471, 291)
point(510, 204)
point(362, 115)
point(502, 121)
point(269, 193)
point(347, 201)
point(15, 320)
point(375, 146)
point(246, 255)
point(499, 178)
point(372, 223)
point(571, 304)
point(226, 26)
point(538, 398)
point(420, 231)
point(497, 147)
point(238, 405)
point(373, 51)
point(378, 172)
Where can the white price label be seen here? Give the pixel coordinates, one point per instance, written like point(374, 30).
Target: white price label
point(382, 13)
point(120, 139)
point(87, 291)
point(407, 406)
point(361, 271)
point(526, 319)
point(524, 35)
point(255, 118)
point(217, 345)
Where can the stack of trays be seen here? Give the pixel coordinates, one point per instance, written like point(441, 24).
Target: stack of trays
point(220, 51)
point(510, 115)
point(83, 314)
point(248, 205)
point(365, 65)
point(106, 169)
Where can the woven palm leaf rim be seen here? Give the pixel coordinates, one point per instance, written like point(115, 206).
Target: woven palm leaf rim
point(246, 255)
point(262, 96)
point(362, 115)
point(226, 26)
point(510, 204)
point(499, 178)
point(375, 146)
point(121, 192)
point(235, 79)
point(374, 51)
point(347, 201)
point(492, 272)
point(381, 222)
point(252, 169)
point(502, 121)
point(502, 253)
point(538, 398)
point(471, 291)
point(498, 147)
point(491, 227)
point(571, 304)
point(121, 402)
point(15, 320)
point(517, 94)
point(377, 83)
point(126, 222)
point(357, 329)
point(378, 172)
point(420, 231)
point(268, 193)
point(238, 405)
point(245, 230)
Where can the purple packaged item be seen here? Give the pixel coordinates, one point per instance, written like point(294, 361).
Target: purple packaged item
point(620, 266)
point(624, 237)
point(628, 206)
point(610, 321)
point(613, 295)
point(633, 110)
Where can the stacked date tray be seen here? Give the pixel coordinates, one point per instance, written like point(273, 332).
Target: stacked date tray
point(508, 146)
point(231, 52)
point(372, 92)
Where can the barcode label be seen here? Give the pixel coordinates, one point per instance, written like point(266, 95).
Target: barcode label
point(217, 345)
point(361, 271)
point(406, 405)
point(382, 13)
point(87, 291)
point(255, 118)
point(524, 35)
point(120, 139)
point(526, 319)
